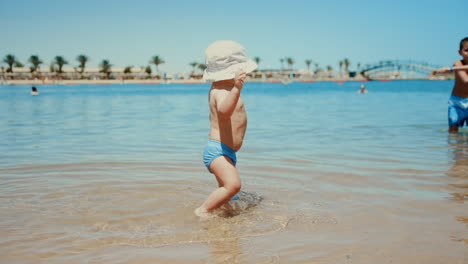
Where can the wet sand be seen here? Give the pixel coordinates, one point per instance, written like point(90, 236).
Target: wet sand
point(94, 213)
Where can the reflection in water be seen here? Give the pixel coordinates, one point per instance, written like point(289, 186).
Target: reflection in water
point(235, 207)
point(226, 251)
point(237, 222)
point(459, 171)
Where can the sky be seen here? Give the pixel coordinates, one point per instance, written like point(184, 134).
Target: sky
point(130, 33)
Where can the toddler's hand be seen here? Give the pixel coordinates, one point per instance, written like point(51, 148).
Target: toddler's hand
point(239, 79)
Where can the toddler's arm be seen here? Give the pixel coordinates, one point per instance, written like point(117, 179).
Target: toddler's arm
point(227, 105)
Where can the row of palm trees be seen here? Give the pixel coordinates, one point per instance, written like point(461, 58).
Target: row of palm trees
point(56, 65)
point(59, 61)
point(290, 61)
point(105, 66)
point(345, 62)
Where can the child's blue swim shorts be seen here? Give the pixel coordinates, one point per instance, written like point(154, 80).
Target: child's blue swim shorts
point(215, 149)
point(457, 111)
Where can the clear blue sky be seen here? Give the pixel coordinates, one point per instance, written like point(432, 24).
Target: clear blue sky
point(326, 31)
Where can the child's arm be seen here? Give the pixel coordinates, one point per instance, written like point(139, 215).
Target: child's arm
point(227, 105)
point(450, 69)
point(461, 71)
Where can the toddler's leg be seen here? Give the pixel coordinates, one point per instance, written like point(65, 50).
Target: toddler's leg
point(228, 181)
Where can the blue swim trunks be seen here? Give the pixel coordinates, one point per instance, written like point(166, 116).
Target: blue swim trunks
point(215, 149)
point(457, 111)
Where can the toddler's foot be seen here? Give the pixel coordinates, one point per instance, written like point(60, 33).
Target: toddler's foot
point(203, 214)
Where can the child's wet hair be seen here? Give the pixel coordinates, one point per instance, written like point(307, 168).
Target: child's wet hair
point(462, 42)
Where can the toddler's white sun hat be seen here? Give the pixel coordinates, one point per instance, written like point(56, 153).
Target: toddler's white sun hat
point(224, 58)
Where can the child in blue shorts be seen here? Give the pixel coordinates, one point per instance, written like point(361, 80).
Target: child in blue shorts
point(458, 101)
point(226, 67)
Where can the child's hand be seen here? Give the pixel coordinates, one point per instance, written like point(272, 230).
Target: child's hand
point(443, 70)
point(239, 79)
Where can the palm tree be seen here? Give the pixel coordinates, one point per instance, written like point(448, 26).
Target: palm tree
point(105, 68)
point(341, 66)
point(82, 60)
point(193, 64)
point(148, 70)
point(281, 61)
point(10, 60)
point(329, 70)
point(290, 62)
point(257, 60)
point(346, 65)
point(127, 70)
point(156, 60)
point(316, 67)
point(60, 61)
point(201, 66)
point(35, 61)
point(308, 62)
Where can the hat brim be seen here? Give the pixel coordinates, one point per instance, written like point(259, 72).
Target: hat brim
point(230, 72)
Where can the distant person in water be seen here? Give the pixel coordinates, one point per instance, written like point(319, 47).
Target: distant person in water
point(34, 91)
point(458, 101)
point(227, 66)
point(363, 89)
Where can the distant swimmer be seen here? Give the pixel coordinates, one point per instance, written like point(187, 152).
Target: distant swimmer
point(34, 91)
point(363, 89)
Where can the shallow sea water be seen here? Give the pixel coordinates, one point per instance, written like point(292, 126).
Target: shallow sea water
point(112, 174)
